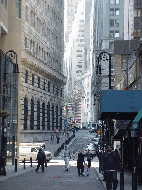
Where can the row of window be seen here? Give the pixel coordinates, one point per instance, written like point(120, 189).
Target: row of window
point(41, 54)
point(41, 109)
point(41, 26)
point(116, 2)
point(39, 83)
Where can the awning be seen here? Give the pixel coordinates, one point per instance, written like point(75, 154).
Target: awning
point(135, 124)
point(121, 132)
point(119, 135)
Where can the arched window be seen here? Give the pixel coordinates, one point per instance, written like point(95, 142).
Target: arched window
point(60, 118)
point(43, 116)
point(32, 115)
point(25, 113)
point(56, 117)
point(48, 116)
point(53, 117)
point(38, 115)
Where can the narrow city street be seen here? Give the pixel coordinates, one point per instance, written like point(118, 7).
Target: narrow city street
point(55, 176)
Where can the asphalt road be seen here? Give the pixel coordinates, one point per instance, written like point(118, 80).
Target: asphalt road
point(54, 177)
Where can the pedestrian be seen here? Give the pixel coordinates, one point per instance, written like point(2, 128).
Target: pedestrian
point(86, 169)
point(138, 167)
point(66, 158)
point(80, 161)
point(41, 159)
point(110, 165)
point(99, 155)
point(57, 138)
point(89, 156)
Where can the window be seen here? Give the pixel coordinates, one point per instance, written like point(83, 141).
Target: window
point(26, 13)
point(26, 43)
point(79, 50)
point(79, 66)
point(57, 90)
point(111, 22)
point(48, 86)
point(61, 92)
point(79, 55)
point(117, 2)
point(44, 84)
point(18, 8)
point(136, 23)
point(53, 88)
point(32, 79)
point(111, 2)
point(111, 12)
point(26, 76)
point(111, 45)
point(137, 5)
point(116, 12)
point(38, 115)
point(116, 34)
point(32, 115)
point(2, 1)
point(60, 118)
point(38, 82)
point(48, 116)
point(56, 117)
point(53, 117)
point(5, 4)
point(116, 22)
point(43, 116)
point(25, 113)
point(111, 34)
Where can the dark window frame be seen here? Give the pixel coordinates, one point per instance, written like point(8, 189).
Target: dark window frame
point(26, 76)
point(38, 82)
point(43, 116)
point(38, 115)
point(32, 79)
point(32, 115)
point(48, 86)
point(25, 113)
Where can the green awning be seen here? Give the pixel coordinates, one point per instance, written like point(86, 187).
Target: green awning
point(138, 117)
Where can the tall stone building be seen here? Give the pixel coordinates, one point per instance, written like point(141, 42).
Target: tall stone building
point(40, 50)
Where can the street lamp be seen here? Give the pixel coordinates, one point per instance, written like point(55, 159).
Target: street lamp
point(105, 56)
point(12, 55)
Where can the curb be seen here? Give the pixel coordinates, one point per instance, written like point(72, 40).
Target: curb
point(12, 173)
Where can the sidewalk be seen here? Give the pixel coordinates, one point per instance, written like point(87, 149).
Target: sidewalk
point(127, 179)
point(10, 169)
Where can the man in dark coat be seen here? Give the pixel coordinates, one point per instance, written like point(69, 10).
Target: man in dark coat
point(41, 159)
point(110, 165)
point(80, 161)
point(138, 167)
point(89, 156)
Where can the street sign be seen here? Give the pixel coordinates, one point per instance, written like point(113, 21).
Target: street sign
point(135, 125)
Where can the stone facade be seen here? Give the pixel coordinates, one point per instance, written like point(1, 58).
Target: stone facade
point(42, 80)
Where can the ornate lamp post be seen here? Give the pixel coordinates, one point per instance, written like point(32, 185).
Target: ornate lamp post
point(105, 56)
point(12, 55)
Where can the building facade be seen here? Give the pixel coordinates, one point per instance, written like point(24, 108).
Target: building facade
point(38, 38)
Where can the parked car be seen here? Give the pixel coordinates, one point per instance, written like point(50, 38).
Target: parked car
point(32, 151)
point(93, 130)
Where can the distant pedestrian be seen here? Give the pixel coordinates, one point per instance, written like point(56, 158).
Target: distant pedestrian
point(66, 158)
point(138, 167)
point(86, 169)
point(89, 156)
point(110, 165)
point(80, 161)
point(41, 159)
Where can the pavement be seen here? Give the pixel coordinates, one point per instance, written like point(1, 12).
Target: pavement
point(127, 179)
point(50, 146)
